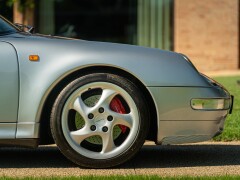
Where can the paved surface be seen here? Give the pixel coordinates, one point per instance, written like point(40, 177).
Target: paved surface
point(199, 159)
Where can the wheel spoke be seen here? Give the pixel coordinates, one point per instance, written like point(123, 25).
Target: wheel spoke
point(79, 135)
point(106, 97)
point(108, 143)
point(80, 107)
point(123, 119)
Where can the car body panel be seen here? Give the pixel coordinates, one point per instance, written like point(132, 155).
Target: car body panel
point(7, 130)
point(178, 122)
point(9, 88)
point(174, 103)
point(60, 57)
point(178, 132)
point(171, 80)
point(26, 130)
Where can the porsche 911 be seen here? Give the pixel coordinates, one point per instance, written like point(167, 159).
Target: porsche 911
point(99, 102)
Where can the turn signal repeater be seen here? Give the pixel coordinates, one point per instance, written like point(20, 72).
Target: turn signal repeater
point(34, 58)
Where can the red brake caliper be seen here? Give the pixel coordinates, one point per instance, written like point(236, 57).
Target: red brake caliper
point(117, 106)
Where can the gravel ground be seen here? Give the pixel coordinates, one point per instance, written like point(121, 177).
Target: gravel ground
point(210, 158)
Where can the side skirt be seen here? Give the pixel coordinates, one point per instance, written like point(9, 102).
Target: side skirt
point(28, 143)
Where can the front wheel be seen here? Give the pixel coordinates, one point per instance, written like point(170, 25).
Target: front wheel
point(100, 120)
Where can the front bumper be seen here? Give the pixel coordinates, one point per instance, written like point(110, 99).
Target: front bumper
point(179, 123)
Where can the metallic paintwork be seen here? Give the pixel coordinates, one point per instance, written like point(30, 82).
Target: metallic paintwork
point(9, 83)
point(169, 77)
point(177, 118)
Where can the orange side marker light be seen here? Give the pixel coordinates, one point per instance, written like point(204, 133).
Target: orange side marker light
point(34, 58)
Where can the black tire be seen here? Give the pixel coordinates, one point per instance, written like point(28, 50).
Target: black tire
point(136, 140)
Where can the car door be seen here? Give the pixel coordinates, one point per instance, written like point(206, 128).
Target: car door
point(9, 87)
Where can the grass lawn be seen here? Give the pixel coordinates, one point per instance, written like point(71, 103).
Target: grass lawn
point(232, 125)
point(129, 177)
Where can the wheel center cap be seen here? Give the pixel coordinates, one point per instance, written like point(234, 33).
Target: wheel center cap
point(100, 120)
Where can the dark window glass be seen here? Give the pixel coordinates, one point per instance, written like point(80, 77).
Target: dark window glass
point(6, 27)
point(143, 22)
point(102, 20)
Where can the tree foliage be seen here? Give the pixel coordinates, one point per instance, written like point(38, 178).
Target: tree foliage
point(23, 4)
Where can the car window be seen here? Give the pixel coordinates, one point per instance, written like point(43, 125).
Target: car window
point(6, 27)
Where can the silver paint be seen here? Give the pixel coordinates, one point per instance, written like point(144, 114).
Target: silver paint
point(27, 130)
point(60, 57)
point(9, 87)
point(170, 78)
point(7, 130)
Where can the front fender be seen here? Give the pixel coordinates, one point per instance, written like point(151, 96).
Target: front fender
point(58, 58)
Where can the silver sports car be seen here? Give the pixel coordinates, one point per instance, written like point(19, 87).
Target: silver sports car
point(98, 101)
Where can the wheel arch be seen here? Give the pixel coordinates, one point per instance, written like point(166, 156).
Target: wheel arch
point(45, 132)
